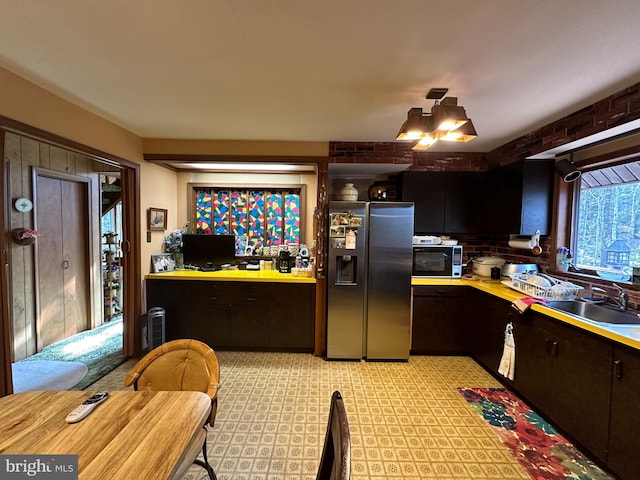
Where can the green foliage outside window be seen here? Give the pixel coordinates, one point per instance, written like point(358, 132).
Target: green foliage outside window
point(608, 227)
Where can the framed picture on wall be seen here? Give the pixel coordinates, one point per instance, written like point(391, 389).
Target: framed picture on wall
point(157, 219)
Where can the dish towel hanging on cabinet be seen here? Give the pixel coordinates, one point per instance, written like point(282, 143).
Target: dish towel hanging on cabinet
point(507, 366)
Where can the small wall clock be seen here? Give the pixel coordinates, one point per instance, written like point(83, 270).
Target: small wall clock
point(23, 205)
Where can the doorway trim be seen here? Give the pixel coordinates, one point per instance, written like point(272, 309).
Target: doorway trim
point(132, 308)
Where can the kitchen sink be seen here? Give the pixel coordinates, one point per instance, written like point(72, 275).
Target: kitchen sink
point(596, 312)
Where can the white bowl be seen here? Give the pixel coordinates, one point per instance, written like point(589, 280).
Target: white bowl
point(538, 281)
point(449, 242)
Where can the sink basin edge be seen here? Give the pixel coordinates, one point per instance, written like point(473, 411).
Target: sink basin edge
point(599, 314)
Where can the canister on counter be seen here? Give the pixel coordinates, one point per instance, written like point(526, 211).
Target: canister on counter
point(495, 273)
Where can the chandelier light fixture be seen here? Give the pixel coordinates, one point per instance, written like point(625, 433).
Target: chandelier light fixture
point(447, 122)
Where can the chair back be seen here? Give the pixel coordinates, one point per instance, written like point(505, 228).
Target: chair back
point(335, 463)
point(183, 365)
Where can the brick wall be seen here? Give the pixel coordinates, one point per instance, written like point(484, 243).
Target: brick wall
point(617, 109)
point(400, 153)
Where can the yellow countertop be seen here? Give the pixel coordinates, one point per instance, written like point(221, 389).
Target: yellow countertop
point(628, 335)
point(273, 276)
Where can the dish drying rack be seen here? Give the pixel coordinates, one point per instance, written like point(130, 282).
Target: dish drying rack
point(558, 291)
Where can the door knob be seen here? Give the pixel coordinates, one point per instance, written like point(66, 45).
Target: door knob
point(65, 264)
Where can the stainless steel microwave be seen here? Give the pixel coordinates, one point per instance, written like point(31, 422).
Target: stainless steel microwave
point(437, 261)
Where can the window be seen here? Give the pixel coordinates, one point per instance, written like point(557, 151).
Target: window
point(265, 216)
point(608, 221)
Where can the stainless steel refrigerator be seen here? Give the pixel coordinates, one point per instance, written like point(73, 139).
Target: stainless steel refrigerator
point(369, 280)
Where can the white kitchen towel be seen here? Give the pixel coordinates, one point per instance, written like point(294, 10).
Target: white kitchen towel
point(507, 366)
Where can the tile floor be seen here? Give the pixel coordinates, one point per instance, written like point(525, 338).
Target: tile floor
point(407, 420)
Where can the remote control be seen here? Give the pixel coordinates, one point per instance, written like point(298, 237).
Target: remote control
point(86, 407)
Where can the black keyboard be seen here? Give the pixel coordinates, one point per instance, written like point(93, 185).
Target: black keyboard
point(208, 269)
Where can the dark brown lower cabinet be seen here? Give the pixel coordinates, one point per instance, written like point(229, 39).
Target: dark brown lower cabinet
point(211, 326)
point(565, 373)
point(292, 314)
point(237, 315)
point(587, 385)
point(439, 320)
point(625, 414)
point(488, 321)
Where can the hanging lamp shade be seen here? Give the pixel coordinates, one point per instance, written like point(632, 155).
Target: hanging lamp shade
point(448, 116)
point(465, 133)
point(428, 138)
point(424, 143)
point(447, 121)
point(413, 127)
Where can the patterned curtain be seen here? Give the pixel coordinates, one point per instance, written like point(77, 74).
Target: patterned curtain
point(265, 217)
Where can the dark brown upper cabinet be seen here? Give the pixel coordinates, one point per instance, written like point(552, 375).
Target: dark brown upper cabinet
point(520, 198)
point(513, 199)
point(446, 202)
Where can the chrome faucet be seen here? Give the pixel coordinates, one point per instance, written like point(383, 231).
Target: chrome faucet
point(620, 301)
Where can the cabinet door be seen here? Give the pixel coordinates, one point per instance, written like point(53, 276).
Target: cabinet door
point(439, 320)
point(464, 206)
point(206, 323)
point(447, 202)
point(249, 326)
point(193, 309)
point(625, 414)
point(488, 321)
point(292, 317)
point(427, 191)
point(249, 321)
point(566, 374)
point(533, 358)
point(522, 194)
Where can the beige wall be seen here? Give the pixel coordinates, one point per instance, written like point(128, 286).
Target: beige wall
point(23, 101)
point(232, 147)
point(27, 103)
point(159, 187)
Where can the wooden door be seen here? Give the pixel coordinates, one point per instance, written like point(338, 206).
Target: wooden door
point(62, 280)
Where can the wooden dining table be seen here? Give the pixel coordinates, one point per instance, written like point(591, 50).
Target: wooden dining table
point(133, 434)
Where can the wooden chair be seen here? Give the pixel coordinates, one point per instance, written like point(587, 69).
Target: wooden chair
point(335, 463)
point(182, 365)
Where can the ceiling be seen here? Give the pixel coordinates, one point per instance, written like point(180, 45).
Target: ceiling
point(334, 70)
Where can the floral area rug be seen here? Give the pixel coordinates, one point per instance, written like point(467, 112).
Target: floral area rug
point(537, 445)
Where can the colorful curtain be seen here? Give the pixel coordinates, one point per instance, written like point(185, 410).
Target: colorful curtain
point(267, 218)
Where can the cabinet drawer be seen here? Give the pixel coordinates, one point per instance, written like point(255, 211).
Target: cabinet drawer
point(209, 293)
point(440, 291)
point(247, 293)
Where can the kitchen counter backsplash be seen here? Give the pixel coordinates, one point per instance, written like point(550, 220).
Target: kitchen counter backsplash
point(484, 245)
point(481, 245)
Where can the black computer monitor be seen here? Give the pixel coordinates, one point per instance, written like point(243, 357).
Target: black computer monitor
point(201, 250)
